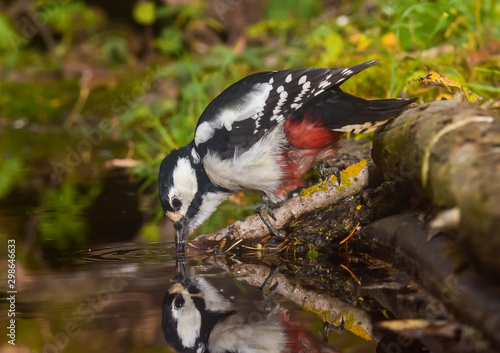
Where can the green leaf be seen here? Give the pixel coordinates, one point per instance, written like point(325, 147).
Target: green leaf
point(10, 173)
point(170, 41)
point(312, 254)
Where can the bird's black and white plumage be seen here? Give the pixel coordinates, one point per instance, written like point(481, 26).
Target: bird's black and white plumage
point(263, 133)
point(196, 318)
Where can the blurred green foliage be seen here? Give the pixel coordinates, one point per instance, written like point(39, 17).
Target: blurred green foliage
point(11, 173)
point(153, 77)
point(62, 224)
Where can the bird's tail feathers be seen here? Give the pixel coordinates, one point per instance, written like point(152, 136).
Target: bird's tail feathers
point(373, 114)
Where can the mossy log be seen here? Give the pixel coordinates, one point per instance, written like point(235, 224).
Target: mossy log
point(451, 150)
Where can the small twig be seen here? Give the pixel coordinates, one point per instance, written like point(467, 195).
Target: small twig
point(252, 248)
point(352, 274)
point(232, 246)
point(285, 248)
point(194, 246)
point(208, 249)
point(350, 235)
point(81, 100)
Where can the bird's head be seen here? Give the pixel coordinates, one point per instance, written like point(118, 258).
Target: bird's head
point(191, 308)
point(187, 195)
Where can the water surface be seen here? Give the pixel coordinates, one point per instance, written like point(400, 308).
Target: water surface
point(91, 267)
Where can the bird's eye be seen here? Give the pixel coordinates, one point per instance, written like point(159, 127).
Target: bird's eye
point(178, 301)
point(176, 203)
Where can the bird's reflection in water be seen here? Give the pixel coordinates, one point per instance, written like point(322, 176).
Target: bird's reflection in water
point(197, 318)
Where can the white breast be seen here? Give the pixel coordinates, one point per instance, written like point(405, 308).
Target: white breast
point(253, 333)
point(259, 168)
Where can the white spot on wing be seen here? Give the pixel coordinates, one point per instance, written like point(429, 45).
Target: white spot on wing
point(249, 105)
point(214, 301)
point(302, 79)
point(280, 89)
point(305, 88)
point(346, 72)
point(195, 155)
point(204, 132)
point(324, 84)
point(362, 128)
point(279, 104)
point(288, 79)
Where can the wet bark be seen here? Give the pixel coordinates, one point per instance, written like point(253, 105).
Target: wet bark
point(451, 150)
point(325, 229)
point(438, 265)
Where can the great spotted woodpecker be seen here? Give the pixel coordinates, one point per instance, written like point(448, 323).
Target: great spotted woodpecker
point(263, 133)
point(196, 318)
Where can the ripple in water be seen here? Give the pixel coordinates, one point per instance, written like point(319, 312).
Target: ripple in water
point(119, 253)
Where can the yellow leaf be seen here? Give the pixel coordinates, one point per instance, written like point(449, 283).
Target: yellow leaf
point(434, 79)
point(389, 41)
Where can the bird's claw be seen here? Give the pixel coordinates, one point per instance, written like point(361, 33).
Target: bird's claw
point(268, 290)
point(263, 211)
point(271, 214)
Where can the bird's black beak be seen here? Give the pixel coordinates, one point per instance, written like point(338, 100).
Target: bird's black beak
point(181, 235)
point(181, 269)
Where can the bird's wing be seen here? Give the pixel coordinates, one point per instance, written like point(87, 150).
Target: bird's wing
point(239, 117)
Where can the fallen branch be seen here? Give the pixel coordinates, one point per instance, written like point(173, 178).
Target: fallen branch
point(468, 292)
point(354, 179)
point(450, 150)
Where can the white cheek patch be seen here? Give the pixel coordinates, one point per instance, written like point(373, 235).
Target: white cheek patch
point(188, 321)
point(185, 184)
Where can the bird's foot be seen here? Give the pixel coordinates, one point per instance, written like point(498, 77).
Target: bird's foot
point(268, 290)
point(264, 211)
point(327, 327)
point(325, 172)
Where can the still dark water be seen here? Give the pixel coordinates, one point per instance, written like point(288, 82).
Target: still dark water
point(89, 268)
